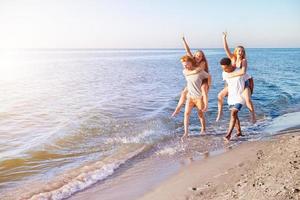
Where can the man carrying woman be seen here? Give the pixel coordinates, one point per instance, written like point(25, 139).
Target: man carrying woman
point(195, 94)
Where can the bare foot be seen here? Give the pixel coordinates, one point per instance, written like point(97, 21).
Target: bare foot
point(184, 137)
point(239, 135)
point(203, 132)
point(177, 110)
point(226, 138)
point(219, 117)
point(253, 118)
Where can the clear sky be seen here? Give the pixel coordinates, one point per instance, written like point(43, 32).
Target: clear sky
point(148, 23)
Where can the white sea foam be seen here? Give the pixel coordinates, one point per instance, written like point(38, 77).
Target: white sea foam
point(171, 150)
point(87, 176)
point(283, 122)
point(144, 137)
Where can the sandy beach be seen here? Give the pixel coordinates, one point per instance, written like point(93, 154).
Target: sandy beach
point(96, 98)
point(266, 169)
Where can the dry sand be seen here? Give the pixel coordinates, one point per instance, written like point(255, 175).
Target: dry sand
point(253, 170)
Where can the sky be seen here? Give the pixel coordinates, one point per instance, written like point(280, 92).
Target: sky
point(148, 23)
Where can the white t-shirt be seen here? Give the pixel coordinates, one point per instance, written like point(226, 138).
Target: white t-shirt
point(236, 86)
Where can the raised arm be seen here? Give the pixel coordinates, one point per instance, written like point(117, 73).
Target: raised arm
point(186, 47)
point(225, 45)
point(240, 72)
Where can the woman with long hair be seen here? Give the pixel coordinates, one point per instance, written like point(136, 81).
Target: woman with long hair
point(201, 64)
point(238, 59)
point(194, 96)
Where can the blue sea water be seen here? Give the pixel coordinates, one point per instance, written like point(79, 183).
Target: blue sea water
point(61, 110)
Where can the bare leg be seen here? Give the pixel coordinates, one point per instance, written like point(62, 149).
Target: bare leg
point(233, 118)
point(238, 127)
point(221, 96)
point(200, 104)
point(188, 108)
point(249, 104)
point(202, 121)
point(204, 91)
point(251, 85)
point(180, 102)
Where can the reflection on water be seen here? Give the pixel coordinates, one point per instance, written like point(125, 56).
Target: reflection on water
point(62, 109)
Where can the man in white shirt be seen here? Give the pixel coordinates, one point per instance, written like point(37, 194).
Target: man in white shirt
point(235, 99)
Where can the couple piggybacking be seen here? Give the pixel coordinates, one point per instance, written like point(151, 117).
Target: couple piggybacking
point(238, 87)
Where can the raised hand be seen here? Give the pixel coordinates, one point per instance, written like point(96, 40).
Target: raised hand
point(225, 34)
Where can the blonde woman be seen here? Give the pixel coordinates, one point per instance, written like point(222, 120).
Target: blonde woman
point(201, 64)
point(194, 94)
point(239, 61)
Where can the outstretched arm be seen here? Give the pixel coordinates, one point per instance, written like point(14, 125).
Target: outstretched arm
point(240, 72)
point(225, 45)
point(186, 47)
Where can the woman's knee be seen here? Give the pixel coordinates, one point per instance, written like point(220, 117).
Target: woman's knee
point(204, 87)
point(184, 93)
point(220, 96)
point(247, 95)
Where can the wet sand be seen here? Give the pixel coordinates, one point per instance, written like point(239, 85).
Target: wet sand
point(264, 169)
point(253, 170)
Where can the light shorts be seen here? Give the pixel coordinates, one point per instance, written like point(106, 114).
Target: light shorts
point(196, 101)
point(237, 106)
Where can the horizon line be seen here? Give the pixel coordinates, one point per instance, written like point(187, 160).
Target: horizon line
point(59, 48)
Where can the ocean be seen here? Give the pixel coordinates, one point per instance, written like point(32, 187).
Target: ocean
point(73, 118)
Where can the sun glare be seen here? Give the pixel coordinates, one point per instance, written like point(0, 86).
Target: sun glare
point(10, 66)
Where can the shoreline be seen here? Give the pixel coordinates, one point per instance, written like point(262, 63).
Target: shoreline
point(253, 170)
point(224, 175)
point(85, 148)
point(198, 164)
